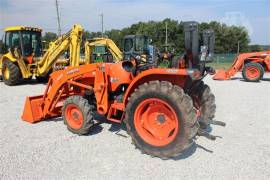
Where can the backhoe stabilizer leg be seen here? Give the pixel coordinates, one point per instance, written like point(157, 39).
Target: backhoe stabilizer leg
point(218, 123)
point(206, 134)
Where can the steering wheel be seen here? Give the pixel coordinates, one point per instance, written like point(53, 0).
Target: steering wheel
point(141, 65)
point(136, 57)
point(139, 59)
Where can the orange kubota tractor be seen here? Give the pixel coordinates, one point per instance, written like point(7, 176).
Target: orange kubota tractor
point(163, 109)
point(253, 65)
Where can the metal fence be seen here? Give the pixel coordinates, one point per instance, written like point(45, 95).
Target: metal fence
point(224, 58)
point(223, 61)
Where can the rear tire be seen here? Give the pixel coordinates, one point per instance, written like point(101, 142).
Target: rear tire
point(205, 100)
point(253, 72)
point(11, 73)
point(165, 96)
point(78, 115)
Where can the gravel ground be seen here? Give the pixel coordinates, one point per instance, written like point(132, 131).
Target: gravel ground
point(47, 150)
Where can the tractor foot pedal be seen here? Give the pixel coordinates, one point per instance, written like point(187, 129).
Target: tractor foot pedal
point(219, 123)
point(206, 134)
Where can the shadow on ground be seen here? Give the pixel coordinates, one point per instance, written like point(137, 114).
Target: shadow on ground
point(265, 79)
point(243, 80)
point(116, 129)
point(28, 82)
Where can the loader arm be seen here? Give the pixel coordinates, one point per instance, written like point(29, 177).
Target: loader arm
point(238, 63)
point(71, 40)
point(112, 47)
point(65, 83)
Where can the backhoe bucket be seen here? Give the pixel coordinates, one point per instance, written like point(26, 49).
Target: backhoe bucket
point(33, 111)
point(221, 75)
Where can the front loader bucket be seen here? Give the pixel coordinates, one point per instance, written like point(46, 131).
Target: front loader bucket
point(33, 111)
point(221, 75)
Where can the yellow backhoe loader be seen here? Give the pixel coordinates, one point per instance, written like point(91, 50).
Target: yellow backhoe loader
point(23, 57)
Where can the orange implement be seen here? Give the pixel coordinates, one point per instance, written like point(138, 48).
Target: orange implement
point(222, 74)
point(256, 60)
point(33, 109)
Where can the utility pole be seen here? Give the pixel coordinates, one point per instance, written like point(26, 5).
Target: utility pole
point(102, 25)
point(58, 18)
point(166, 39)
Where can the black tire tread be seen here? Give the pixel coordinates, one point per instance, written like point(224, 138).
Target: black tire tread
point(207, 103)
point(86, 109)
point(15, 73)
point(184, 103)
point(256, 65)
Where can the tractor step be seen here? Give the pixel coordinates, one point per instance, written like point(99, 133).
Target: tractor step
point(116, 112)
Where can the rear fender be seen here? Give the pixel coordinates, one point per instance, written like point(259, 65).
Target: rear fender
point(267, 63)
point(175, 76)
point(6, 57)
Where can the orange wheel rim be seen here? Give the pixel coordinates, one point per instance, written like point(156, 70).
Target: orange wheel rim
point(74, 116)
point(253, 72)
point(156, 122)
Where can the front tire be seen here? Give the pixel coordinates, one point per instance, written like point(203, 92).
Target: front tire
point(11, 73)
point(161, 119)
point(78, 115)
point(253, 72)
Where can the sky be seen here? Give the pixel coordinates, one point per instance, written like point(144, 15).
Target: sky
point(253, 14)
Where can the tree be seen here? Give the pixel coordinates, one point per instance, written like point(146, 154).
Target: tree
point(86, 35)
point(226, 37)
point(49, 37)
point(115, 35)
point(255, 48)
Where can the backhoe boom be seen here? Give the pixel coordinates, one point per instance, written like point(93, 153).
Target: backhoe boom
point(71, 40)
point(112, 47)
